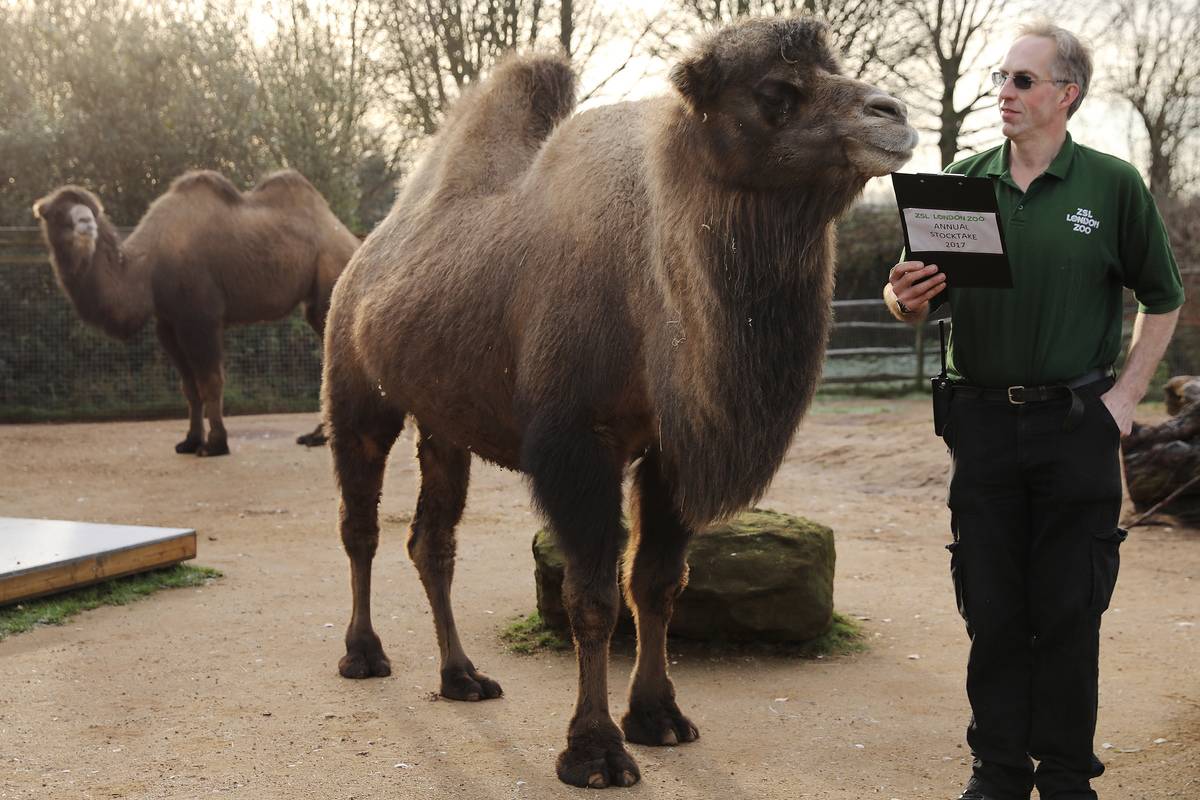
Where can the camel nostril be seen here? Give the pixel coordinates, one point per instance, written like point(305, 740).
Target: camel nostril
point(888, 107)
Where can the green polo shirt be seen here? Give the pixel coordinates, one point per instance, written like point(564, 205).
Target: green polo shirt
point(1085, 228)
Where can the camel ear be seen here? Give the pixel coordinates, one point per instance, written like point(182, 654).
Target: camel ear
point(698, 78)
point(39, 209)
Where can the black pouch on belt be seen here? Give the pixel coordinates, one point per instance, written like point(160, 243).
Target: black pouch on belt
point(941, 387)
point(942, 390)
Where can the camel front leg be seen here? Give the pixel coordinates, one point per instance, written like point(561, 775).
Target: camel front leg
point(187, 385)
point(199, 341)
point(655, 574)
point(577, 484)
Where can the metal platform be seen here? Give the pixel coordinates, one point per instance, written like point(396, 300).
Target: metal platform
point(42, 556)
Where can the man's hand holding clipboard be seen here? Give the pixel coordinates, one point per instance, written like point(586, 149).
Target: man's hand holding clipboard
point(953, 237)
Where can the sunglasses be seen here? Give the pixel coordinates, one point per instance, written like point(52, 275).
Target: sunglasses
point(1021, 81)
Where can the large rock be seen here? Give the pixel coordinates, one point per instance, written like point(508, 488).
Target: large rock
point(762, 576)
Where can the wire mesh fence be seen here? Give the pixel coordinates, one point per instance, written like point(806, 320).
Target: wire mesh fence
point(54, 367)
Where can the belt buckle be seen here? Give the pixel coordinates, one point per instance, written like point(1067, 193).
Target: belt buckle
point(1014, 401)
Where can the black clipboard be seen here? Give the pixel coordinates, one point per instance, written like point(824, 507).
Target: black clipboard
point(953, 197)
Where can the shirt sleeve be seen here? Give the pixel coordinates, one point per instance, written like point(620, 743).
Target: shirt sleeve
point(1147, 261)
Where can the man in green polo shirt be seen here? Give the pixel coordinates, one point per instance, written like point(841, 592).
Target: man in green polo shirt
point(1035, 422)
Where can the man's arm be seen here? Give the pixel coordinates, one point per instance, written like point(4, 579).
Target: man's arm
point(1151, 334)
point(914, 284)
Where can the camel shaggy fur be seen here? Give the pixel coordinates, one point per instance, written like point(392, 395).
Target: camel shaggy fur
point(204, 256)
point(642, 285)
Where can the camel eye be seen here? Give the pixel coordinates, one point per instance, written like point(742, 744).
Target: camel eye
point(776, 99)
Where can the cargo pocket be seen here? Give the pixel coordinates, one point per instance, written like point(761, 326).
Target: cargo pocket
point(956, 574)
point(1106, 562)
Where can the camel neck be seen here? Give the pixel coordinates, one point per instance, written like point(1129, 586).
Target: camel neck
point(107, 289)
point(746, 279)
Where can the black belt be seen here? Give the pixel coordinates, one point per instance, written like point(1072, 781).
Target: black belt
point(1020, 395)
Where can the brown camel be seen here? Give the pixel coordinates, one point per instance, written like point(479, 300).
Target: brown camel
point(646, 283)
point(204, 256)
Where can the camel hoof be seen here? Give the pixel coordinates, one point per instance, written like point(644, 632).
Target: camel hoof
point(189, 445)
point(213, 449)
point(470, 685)
point(597, 764)
point(358, 664)
point(659, 725)
point(312, 439)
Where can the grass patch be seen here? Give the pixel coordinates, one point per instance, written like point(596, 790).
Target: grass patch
point(56, 609)
point(530, 634)
point(527, 635)
point(844, 637)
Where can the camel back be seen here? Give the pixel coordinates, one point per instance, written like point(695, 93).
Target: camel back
point(263, 251)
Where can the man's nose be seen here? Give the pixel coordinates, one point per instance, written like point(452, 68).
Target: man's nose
point(1007, 90)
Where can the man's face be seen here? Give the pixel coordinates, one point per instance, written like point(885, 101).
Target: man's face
point(1041, 106)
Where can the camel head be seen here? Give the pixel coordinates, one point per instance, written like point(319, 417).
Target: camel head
point(70, 219)
point(772, 109)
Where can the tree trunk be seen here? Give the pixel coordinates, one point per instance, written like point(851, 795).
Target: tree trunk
point(1163, 459)
point(566, 16)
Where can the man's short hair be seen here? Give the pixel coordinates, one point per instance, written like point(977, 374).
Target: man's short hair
point(1073, 61)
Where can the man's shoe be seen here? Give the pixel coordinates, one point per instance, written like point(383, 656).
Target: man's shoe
point(971, 793)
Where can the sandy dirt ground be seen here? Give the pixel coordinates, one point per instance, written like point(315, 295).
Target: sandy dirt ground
point(232, 689)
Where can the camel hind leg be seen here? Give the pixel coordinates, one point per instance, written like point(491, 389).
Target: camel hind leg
point(445, 473)
point(363, 432)
point(655, 574)
point(315, 313)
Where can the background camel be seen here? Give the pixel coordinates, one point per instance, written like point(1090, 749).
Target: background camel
point(643, 283)
point(204, 256)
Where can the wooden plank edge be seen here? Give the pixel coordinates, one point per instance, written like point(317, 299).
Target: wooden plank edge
point(103, 567)
point(171, 534)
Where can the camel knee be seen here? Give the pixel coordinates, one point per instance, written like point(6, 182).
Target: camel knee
point(360, 542)
point(655, 586)
point(432, 551)
point(592, 603)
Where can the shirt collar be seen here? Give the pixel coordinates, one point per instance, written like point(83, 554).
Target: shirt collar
point(998, 166)
point(1062, 162)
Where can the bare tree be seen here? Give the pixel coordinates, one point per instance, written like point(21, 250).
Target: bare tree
point(318, 83)
point(566, 24)
point(1156, 68)
point(944, 76)
point(871, 38)
point(434, 49)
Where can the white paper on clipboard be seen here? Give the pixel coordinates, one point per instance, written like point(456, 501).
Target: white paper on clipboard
point(931, 229)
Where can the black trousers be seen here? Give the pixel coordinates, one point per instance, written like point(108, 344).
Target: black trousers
point(1034, 512)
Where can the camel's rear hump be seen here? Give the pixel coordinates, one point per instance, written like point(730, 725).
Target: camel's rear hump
point(494, 132)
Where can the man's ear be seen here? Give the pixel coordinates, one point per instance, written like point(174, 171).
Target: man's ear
point(698, 78)
point(1070, 94)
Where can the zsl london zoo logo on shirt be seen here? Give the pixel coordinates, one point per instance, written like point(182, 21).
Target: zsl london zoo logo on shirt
point(1083, 221)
